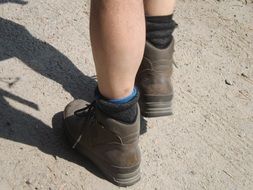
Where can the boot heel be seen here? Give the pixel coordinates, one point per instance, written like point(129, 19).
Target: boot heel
point(156, 106)
point(126, 178)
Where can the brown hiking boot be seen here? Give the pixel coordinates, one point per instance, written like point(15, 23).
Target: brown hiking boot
point(111, 145)
point(154, 81)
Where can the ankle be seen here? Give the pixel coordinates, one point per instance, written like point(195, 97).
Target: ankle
point(124, 109)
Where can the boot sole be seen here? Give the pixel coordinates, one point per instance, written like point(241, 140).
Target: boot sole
point(156, 106)
point(122, 177)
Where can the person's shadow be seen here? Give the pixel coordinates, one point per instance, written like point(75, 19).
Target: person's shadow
point(16, 41)
point(24, 128)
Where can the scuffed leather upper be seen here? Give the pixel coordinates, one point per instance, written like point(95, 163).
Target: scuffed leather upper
point(154, 75)
point(113, 142)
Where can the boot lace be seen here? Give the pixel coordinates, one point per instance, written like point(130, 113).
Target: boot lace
point(89, 113)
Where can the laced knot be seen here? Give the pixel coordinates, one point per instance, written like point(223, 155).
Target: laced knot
point(89, 110)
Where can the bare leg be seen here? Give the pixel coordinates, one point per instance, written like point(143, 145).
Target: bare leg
point(117, 30)
point(159, 7)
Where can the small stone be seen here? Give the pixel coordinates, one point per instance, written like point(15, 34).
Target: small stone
point(227, 82)
point(243, 75)
point(28, 182)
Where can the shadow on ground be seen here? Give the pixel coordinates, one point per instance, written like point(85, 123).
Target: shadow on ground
point(15, 125)
point(16, 41)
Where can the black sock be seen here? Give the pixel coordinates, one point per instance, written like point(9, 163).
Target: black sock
point(126, 112)
point(159, 30)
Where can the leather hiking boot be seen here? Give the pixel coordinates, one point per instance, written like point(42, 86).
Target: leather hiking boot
point(154, 81)
point(111, 145)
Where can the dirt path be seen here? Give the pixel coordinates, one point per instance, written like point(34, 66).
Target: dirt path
point(206, 144)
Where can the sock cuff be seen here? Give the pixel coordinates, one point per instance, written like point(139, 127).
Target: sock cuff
point(109, 107)
point(123, 100)
point(164, 18)
point(159, 30)
point(124, 110)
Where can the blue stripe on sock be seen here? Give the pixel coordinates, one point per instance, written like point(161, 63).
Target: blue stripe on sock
point(117, 101)
point(124, 100)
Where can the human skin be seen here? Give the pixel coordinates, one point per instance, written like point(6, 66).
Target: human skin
point(159, 7)
point(117, 30)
